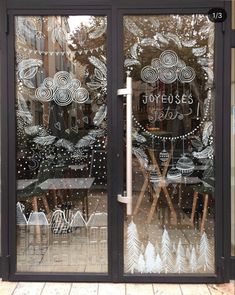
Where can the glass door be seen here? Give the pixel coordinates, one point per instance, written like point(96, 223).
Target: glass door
point(170, 228)
point(61, 143)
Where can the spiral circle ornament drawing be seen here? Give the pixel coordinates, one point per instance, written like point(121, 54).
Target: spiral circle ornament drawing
point(75, 84)
point(187, 75)
point(48, 82)
point(44, 94)
point(62, 79)
point(63, 97)
point(155, 63)
point(167, 75)
point(149, 74)
point(168, 58)
point(63, 88)
point(81, 96)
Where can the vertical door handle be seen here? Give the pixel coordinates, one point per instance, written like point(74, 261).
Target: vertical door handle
point(127, 196)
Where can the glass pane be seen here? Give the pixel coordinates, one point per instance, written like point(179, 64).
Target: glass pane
point(233, 157)
point(61, 143)
point(171, 61)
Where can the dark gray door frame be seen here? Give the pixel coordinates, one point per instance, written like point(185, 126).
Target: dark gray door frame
point(115, 11)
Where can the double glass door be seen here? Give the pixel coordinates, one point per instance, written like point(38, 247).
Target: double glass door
point(67, 213)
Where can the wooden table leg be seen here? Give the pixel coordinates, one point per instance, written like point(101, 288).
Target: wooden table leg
point(195, 198)
point(172, 209)
point(141, 196)
point(154, 204)
point(35, 204)
point(45, 203)
point(205, 208)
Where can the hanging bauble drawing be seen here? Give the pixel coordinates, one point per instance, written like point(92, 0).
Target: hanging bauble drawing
point(153, 176)
point(163, 155)
point(173, 174)
point(185, 165)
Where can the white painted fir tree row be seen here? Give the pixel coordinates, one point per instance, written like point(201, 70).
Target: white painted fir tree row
point(166, 258)
point(133, 248)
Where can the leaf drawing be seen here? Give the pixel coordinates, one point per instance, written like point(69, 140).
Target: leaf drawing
point(28, 83)
point(100, 115)
point(204, 154)
point(98, 64)
point(199, 51)
point(197, 143)
point(210, 73)
point(131, 62)
point(174, 38)
point(68, 145)
point(32, 130)
point(154, 21)
point(189, 43)
point(133, 51)
point(207, 131)
point(160, 38)
point(138, 137)
point(132, 27)
point(98, 32)
point(97, 132)
point(141, 156)
point(149, 42)
point(44, 140)
point(28, 68)
point(93, 85)
point(85, 141)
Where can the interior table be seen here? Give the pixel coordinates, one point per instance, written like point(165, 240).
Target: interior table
point(71, 184)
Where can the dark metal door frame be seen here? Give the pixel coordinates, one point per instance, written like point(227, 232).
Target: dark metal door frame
point(115, 132)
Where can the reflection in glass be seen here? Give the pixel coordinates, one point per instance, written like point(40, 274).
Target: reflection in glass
point(171, 61)
point(61, 143)
point(233, 156)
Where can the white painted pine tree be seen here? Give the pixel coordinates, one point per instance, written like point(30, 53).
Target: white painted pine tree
point(133, 247)
point(166, 252)
point(193, 260)
point(205, 255)
point(180, 263)
point(141, 263)
point(149, 258)
point(158, 264)
point(174, 248)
